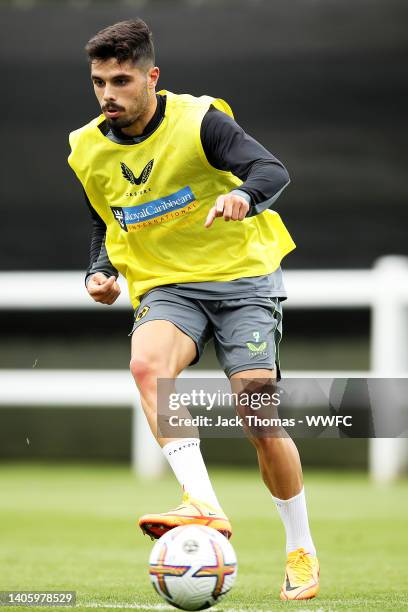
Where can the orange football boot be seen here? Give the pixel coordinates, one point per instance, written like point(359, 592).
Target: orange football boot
point(302, 576)
point(190, 511)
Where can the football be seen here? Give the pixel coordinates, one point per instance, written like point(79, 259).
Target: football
point(192, 567)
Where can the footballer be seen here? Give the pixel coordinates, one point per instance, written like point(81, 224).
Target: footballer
point(181, 200)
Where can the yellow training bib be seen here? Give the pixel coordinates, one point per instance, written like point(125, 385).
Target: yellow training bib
point(154, 197)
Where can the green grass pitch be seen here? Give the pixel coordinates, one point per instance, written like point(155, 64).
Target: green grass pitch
point(65, 527)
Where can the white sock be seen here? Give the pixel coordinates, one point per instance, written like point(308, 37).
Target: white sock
point(186, 461)
point(293, 513)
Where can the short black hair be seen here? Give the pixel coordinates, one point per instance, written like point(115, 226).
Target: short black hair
point(125, 40)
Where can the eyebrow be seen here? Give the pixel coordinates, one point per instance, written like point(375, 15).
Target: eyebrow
point(122, 75)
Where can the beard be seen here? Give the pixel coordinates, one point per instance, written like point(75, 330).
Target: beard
point(121, 122)
point(138, 109)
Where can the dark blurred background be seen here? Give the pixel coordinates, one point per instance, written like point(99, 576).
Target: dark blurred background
point(321, 83)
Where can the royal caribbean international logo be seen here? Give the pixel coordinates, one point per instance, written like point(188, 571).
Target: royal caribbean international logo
point(119, 216)
point(143, 176)
point(173, 206)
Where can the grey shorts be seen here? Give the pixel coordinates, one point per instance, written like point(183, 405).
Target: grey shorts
point(246, 331)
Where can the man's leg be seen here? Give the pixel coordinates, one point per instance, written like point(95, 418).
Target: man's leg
point(278, 458)
point(161, 350)
point(281, 470)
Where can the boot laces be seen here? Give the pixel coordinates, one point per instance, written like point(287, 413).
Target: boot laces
point(300, 563)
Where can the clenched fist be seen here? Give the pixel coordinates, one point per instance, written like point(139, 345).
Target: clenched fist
point(103, 289)
point(231, 206)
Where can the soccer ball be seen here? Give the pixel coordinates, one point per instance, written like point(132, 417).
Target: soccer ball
point(192, 567)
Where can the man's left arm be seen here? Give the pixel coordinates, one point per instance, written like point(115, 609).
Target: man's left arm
point(228, 147)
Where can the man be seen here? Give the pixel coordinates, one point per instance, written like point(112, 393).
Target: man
point(180, 198)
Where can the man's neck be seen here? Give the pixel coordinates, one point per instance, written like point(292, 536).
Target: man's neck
point(137, 128)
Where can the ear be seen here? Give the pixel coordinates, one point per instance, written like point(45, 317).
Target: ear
point(153, 76)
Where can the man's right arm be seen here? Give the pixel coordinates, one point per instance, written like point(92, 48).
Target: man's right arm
point(101, 275)
point(98, 256)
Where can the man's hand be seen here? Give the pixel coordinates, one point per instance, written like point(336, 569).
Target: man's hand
point(231, 206)
point(102, 289)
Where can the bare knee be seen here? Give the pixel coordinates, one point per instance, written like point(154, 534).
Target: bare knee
point(269, 445)
point(259, 443)
point(147, 369)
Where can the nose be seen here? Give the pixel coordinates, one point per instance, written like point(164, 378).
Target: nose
point(108, 93)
